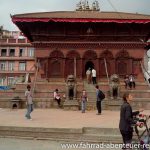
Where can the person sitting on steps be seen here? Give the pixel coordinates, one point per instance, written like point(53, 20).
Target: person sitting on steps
point(57, 97)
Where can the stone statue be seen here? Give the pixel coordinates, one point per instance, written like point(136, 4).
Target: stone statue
point(114, 86)
point(71, 87)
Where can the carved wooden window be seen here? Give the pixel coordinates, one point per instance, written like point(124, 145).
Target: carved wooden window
point(72, 55)
point(122, 54)
point(90, 55)
point(122, 68)
point(70, 67)
point(56, 68)
point(57, 54)
point(55, 64)
point(107, 55)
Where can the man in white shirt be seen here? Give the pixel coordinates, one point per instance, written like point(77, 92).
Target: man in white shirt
point(94, 76)
point(131, 81)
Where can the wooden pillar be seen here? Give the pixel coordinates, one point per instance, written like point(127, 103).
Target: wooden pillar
point(63, 68)
point(82, 68)
point(75, 67)
point(47, 69)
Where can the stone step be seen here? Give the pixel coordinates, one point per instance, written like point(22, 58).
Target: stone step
point(85, 134)
point(66, 134)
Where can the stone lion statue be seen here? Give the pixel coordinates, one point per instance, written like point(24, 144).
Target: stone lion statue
point(114, 86)
point(71, 86)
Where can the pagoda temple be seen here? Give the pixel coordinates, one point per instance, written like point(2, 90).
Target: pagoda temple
point(70, 42)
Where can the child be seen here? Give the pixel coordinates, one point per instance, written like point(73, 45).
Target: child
point(84, 100)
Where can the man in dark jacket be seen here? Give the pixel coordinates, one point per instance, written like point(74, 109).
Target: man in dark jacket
point(99, 97)
point(126, 119)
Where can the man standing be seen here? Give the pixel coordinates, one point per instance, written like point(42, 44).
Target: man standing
point(126, 119)
point(29, 102)
point(99, 97)
point(94, 76)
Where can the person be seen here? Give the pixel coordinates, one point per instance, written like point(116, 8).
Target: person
point(88, 75)
point(126, 81)
point(131, 81)
point(57, 97)
point(84, 100)
point(94, 76)
point(29, 102)
point(99, 97)
point(126, 119)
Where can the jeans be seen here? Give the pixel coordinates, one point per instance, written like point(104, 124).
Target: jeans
point(83, 106)
point(29, 110)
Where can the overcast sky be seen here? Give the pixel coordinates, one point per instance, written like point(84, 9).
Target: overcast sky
point(12, 7)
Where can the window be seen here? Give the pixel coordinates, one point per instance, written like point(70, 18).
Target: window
point(12, 52)
point(10, 80)
point(31, 52)
point(21, 52)
point(22, 66)
point(3, 52)
point(11, 66)
point(2, 66)
point(2, 80)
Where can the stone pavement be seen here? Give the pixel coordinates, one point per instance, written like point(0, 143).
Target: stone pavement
point(59, 118)
point(60, 125)
point(24, 144)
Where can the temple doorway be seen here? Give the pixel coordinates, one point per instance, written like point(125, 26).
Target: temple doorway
point(89, 64)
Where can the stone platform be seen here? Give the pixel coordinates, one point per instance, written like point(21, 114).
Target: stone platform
point(58, 124)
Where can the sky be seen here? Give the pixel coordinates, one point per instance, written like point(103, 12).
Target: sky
point(12, 7)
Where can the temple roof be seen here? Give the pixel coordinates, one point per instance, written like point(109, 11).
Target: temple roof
point(83, 14)
point(26, 22)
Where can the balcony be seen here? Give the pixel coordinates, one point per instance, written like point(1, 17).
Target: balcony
point(17, 71)
point(14, 42)
point(16, 58)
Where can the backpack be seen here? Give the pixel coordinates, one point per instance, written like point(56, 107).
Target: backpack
point(101, 95)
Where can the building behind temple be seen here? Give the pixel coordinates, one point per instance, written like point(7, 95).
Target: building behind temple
point(16, 58)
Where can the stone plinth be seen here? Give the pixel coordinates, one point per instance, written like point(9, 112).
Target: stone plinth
point(114, 104)
point(71, 105)
point(16, 103)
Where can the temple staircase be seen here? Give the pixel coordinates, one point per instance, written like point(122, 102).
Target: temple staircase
point(141, 95)
point(43, 93)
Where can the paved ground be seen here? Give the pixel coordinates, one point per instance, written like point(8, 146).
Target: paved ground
point(21, 144)
point(58, 118)
point(54, 118)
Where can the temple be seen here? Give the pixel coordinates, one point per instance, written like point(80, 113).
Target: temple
point(69, 42)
